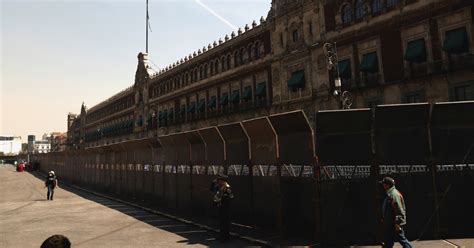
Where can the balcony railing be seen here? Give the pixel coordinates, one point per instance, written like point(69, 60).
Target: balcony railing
point(453, 63)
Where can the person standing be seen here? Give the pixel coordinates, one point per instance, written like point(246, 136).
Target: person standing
point(51, 183)
point(222, 198)
point(394, 215)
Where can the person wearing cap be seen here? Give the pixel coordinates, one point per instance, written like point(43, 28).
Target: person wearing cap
point(51, 183)
point(394, 215)
point(222, 199)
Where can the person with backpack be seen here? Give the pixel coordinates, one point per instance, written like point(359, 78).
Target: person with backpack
point(51, 183)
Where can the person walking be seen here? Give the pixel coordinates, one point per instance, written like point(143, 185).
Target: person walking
point(222, 198)
point(51, 183)
point(394, 215)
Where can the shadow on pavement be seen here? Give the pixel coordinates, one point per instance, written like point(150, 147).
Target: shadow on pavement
point(191, 234)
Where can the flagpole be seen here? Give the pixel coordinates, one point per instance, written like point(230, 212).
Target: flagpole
point(146, 26)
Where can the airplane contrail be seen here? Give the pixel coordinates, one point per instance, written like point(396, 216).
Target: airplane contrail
point(216, 15)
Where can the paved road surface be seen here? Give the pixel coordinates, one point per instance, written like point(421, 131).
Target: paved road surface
point(27, 219)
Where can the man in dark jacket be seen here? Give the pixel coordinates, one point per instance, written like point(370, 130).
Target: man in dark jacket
point(51, 183)
point(394, 215)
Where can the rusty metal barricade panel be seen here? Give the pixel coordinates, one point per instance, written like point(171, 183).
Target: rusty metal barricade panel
point(242, 204)
point(202, 196)
point(214, 145)
point(183, 193)
point(197, 146)
point(295, 138)
point(344, 137)
point(267, 199)
point(182, 148)
point(236, 143)
point(148, 184)
point(159, 188)
point(401, 133)
point(139, 194)
point(169, 149)
point(455, 212)
point(452, 132)
point(169, 190)
point(344, 203)
point(298, 205)
point(263, 147)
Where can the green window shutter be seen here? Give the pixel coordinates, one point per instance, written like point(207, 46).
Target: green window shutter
point(192, 107)
point(369, 63)
point(235, 96)
point(416, 51)
point(247, 93)
point(160, 115)
point(201, 105)
point(261, 89)
point(456, 41)
point(213, 102)
point(224, 99)
point(345, 68)
point(297, 80)
point(165, 114)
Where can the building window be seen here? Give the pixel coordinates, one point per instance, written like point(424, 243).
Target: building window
point(391, 3)
point(463, 92)
point(310, 28)
point(376, 7)
point(281, 39)
point(360, 9)
point(416, 51)
point(456, 41)
point(295, 36)
point(346, 14)
point(413, 97)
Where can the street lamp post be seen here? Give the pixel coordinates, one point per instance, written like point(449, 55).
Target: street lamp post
point(330, 50)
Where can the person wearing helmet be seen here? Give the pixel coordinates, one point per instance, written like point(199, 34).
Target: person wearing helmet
point(51, 183)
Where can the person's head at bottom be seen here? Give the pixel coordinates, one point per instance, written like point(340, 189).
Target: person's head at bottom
point(56, 241)
point(221, 179)
point(387, 183)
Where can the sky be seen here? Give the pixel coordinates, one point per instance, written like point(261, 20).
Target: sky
point(56, 54)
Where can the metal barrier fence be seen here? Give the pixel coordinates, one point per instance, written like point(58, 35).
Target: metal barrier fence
point(279, 182)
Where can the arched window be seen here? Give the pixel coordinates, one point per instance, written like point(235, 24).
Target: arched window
point(346, 14)
point(360, 9)
point(236, 58)
point(296, 35)
point(201, 73)
point(249, 52)
point(211, 65)
point(195, 75)
point(376, 6)
point(391, 3)
point(205, 71)
point(216, 66)
point(257, 50)
point(228, 61)
point(223, 64)
point(243, 57)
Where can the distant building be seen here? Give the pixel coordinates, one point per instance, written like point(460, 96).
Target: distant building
point(58, 142)
point(31, 143)
point(42, 146)
point(10, 145)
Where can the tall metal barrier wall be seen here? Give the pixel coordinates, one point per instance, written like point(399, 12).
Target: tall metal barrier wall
point(315, 180)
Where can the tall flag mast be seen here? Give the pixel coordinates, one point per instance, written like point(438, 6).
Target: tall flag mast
point(147, 25)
